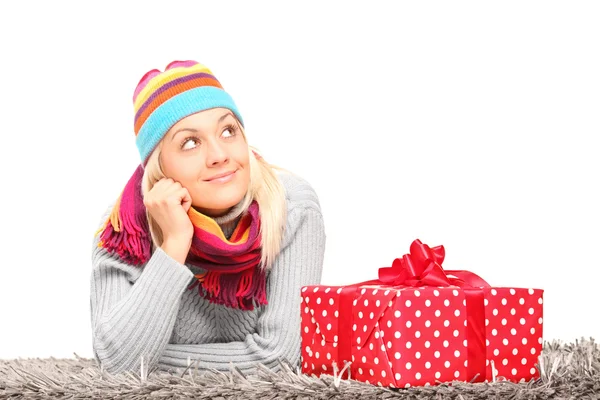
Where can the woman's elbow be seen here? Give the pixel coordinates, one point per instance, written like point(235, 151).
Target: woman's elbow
point(289, 352)
point(108, 352)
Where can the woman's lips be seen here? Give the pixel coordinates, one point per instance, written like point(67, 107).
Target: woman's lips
point(223, 179)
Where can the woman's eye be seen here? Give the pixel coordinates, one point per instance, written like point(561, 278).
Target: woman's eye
point(185, 144)
point(229, 131)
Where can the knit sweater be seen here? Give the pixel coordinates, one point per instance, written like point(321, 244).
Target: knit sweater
point(146, 311)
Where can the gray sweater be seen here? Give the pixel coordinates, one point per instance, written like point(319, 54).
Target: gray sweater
point(147, 311)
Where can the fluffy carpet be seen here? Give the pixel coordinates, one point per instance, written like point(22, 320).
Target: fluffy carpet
point(568, 371)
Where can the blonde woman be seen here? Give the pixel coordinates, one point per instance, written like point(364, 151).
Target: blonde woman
point(202, 257)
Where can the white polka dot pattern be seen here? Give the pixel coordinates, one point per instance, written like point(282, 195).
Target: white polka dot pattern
point(516, 341)
point(415, 337)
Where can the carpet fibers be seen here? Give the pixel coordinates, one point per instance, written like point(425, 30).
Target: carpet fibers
point(568, 371)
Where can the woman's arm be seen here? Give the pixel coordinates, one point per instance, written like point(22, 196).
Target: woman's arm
point(277, 333)
point(133, 309)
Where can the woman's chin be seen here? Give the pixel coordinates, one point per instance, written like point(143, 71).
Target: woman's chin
point(219, 207)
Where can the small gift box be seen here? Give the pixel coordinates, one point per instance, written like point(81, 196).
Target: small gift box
point(418, 325)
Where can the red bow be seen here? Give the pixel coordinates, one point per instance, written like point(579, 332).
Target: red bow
point(422, 267)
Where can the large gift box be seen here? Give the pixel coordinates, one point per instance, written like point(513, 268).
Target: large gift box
point(418, 325)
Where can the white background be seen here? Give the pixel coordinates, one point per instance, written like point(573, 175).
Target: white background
point(467, 124)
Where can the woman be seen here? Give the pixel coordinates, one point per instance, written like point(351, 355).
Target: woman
point(202, 257)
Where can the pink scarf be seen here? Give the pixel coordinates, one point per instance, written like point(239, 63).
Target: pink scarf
point(234, 276)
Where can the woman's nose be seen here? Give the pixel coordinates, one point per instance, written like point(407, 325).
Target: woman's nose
point(216, 153)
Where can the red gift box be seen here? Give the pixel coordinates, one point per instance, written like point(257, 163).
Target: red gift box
point(418, 325)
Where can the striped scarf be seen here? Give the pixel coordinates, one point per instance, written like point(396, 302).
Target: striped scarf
point(233, 275)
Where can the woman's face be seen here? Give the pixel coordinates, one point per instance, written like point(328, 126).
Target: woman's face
point(201, 147)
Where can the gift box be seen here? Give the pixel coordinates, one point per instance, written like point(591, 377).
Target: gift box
point(418, 325)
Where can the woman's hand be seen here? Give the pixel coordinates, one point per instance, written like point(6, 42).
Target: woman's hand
point(168, 203)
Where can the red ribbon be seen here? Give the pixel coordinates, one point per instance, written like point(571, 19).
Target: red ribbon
point(422, 267)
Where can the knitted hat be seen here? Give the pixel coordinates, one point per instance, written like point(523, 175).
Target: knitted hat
point(161, 99)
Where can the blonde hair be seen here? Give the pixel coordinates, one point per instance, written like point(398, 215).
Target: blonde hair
point(264, 187)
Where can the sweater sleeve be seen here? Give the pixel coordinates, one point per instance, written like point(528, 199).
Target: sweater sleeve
point(133, 308)
point(277, 334)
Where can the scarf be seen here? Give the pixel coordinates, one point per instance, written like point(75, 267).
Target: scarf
point(233, 276)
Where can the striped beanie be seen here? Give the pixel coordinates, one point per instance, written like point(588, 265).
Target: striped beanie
point(161, 99)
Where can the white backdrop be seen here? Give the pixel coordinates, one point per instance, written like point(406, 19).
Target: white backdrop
point(466, 124)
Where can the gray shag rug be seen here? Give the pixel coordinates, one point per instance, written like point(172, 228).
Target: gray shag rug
point(568, 371)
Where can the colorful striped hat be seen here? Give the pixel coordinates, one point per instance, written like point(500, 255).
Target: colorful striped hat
point(163, 98)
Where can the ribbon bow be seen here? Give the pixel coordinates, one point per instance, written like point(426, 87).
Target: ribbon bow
point(422, 267)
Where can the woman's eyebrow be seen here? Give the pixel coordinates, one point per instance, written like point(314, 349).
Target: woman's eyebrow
point(221, 118)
